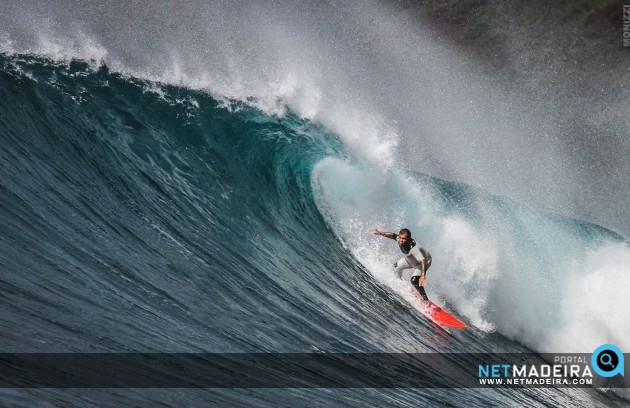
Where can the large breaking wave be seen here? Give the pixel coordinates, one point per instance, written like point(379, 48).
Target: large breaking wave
point(156, 201)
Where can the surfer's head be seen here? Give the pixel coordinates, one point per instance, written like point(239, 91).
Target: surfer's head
point(404, 238)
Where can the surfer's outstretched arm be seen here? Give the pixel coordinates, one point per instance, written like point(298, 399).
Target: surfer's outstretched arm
point(383, 233)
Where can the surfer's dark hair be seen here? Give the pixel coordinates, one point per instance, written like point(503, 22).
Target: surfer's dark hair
point(405, 231)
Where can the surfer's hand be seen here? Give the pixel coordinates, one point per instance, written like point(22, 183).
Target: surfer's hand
point(422, 281)
point(374, 231)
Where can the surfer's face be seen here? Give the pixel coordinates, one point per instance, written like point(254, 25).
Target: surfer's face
point(403, 239)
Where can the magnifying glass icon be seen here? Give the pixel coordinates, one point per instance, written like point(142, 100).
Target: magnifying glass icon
point(606, 359)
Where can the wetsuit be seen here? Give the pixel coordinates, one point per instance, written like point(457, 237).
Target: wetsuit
point(414, 254)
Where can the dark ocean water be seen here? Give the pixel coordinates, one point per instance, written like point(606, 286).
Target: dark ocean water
point(141, 217)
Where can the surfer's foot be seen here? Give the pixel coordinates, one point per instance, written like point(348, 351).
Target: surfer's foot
point(425, 302)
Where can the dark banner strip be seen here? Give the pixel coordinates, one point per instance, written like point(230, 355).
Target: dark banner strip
point(303, 370)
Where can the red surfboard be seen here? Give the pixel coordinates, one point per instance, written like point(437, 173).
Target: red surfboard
point(441, 316)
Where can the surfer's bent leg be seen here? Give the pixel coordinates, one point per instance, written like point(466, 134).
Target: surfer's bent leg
point(420, 289)
point(415, 281)
point(400, 265)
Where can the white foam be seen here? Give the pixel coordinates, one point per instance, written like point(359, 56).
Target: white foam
point(595, 304)
point(548, 288)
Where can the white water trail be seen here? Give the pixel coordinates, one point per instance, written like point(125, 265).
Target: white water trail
point(535, 279)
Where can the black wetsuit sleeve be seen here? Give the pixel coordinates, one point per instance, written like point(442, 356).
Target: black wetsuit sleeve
point(394, 236)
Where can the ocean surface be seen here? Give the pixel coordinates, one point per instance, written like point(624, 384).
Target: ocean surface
point(149, 210)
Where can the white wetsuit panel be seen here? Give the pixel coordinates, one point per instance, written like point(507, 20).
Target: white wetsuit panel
point(412, 260)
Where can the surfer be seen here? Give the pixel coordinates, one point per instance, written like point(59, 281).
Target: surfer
point(415, 257)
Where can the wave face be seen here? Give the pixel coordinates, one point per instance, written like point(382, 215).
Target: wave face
point(201, 179)
point(143, 217)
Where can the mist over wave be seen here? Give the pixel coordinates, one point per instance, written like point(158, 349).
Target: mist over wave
point(388, 80)
point(201, 178)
